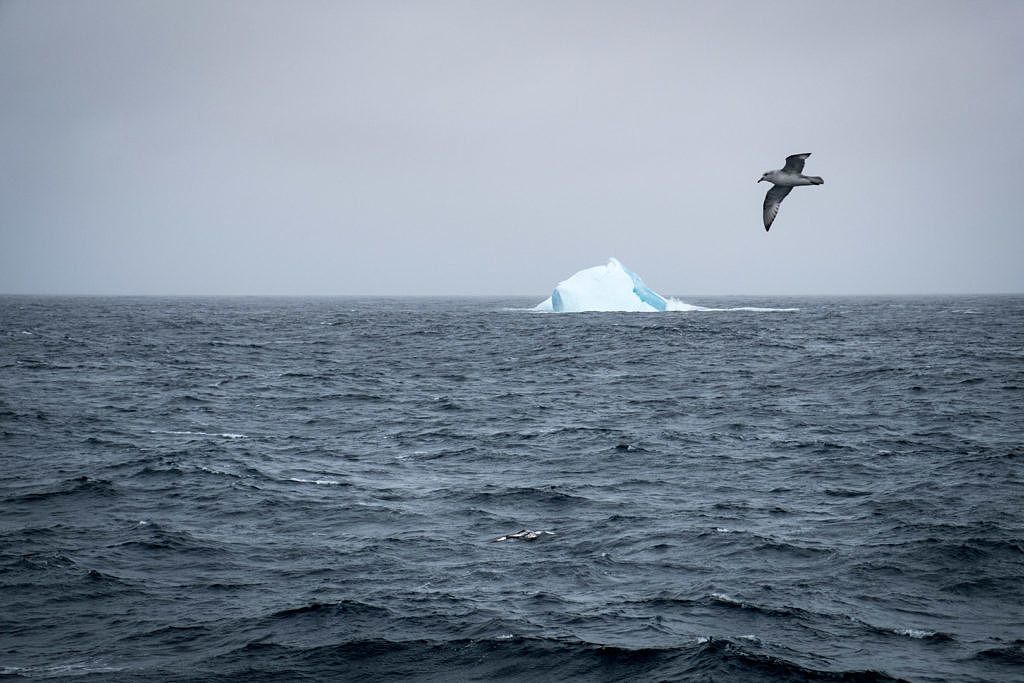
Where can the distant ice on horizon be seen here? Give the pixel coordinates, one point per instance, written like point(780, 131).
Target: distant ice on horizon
point(613, 288)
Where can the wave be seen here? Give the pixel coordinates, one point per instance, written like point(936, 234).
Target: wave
point(847, 493)
point(76, 486)
point(507, 656)
point(421, 454)
point(1011, 654)
point(152, 537)
point(787, 612)
point(985, 586)
point(737, 542)
point(319, 482)
point(545, 495)
point(172, 634)
point(75, 669)
point(923, 634)
point(345, 609)
point(223, 435)
point(36, 562)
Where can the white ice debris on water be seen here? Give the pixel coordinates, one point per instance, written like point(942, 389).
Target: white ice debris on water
point(524, 535)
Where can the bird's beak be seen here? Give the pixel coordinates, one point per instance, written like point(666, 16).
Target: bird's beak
point(760, 180)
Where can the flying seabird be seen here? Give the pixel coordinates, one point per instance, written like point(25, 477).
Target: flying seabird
point(783, 180)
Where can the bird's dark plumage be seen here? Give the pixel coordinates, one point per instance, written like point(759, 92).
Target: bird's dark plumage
point(795, 163)
point(773, 199)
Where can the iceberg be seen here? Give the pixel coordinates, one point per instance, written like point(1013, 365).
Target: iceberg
point(611, 287)
point(614, 287)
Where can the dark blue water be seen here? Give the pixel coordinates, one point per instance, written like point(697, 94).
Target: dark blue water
point(254, 489)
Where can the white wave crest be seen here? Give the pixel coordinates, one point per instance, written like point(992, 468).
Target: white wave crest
point(223, 435)
point(914, 633)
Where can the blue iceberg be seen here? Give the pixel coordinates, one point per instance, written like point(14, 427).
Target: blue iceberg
point(611, 287)
point(646, 294)
point(614, 287)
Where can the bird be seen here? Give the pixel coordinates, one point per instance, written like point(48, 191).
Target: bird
point(783, 180)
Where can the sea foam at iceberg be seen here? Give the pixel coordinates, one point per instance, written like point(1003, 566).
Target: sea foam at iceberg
point(611, 287)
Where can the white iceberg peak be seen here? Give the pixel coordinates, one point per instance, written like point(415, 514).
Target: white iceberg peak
point(611, 287)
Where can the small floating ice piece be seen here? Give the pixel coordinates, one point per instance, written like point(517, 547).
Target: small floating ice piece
point(524, 535)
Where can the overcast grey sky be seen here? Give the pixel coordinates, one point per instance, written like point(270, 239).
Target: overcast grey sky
point(177, 147)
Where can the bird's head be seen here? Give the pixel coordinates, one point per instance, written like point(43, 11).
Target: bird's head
point(764, 176)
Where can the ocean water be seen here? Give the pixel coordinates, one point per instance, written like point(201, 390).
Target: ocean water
point(311, 489)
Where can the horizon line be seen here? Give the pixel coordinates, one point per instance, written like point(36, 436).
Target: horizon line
point(471, 296)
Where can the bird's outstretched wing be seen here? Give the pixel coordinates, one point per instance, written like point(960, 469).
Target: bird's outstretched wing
point(795, 163)
point(772, 200)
